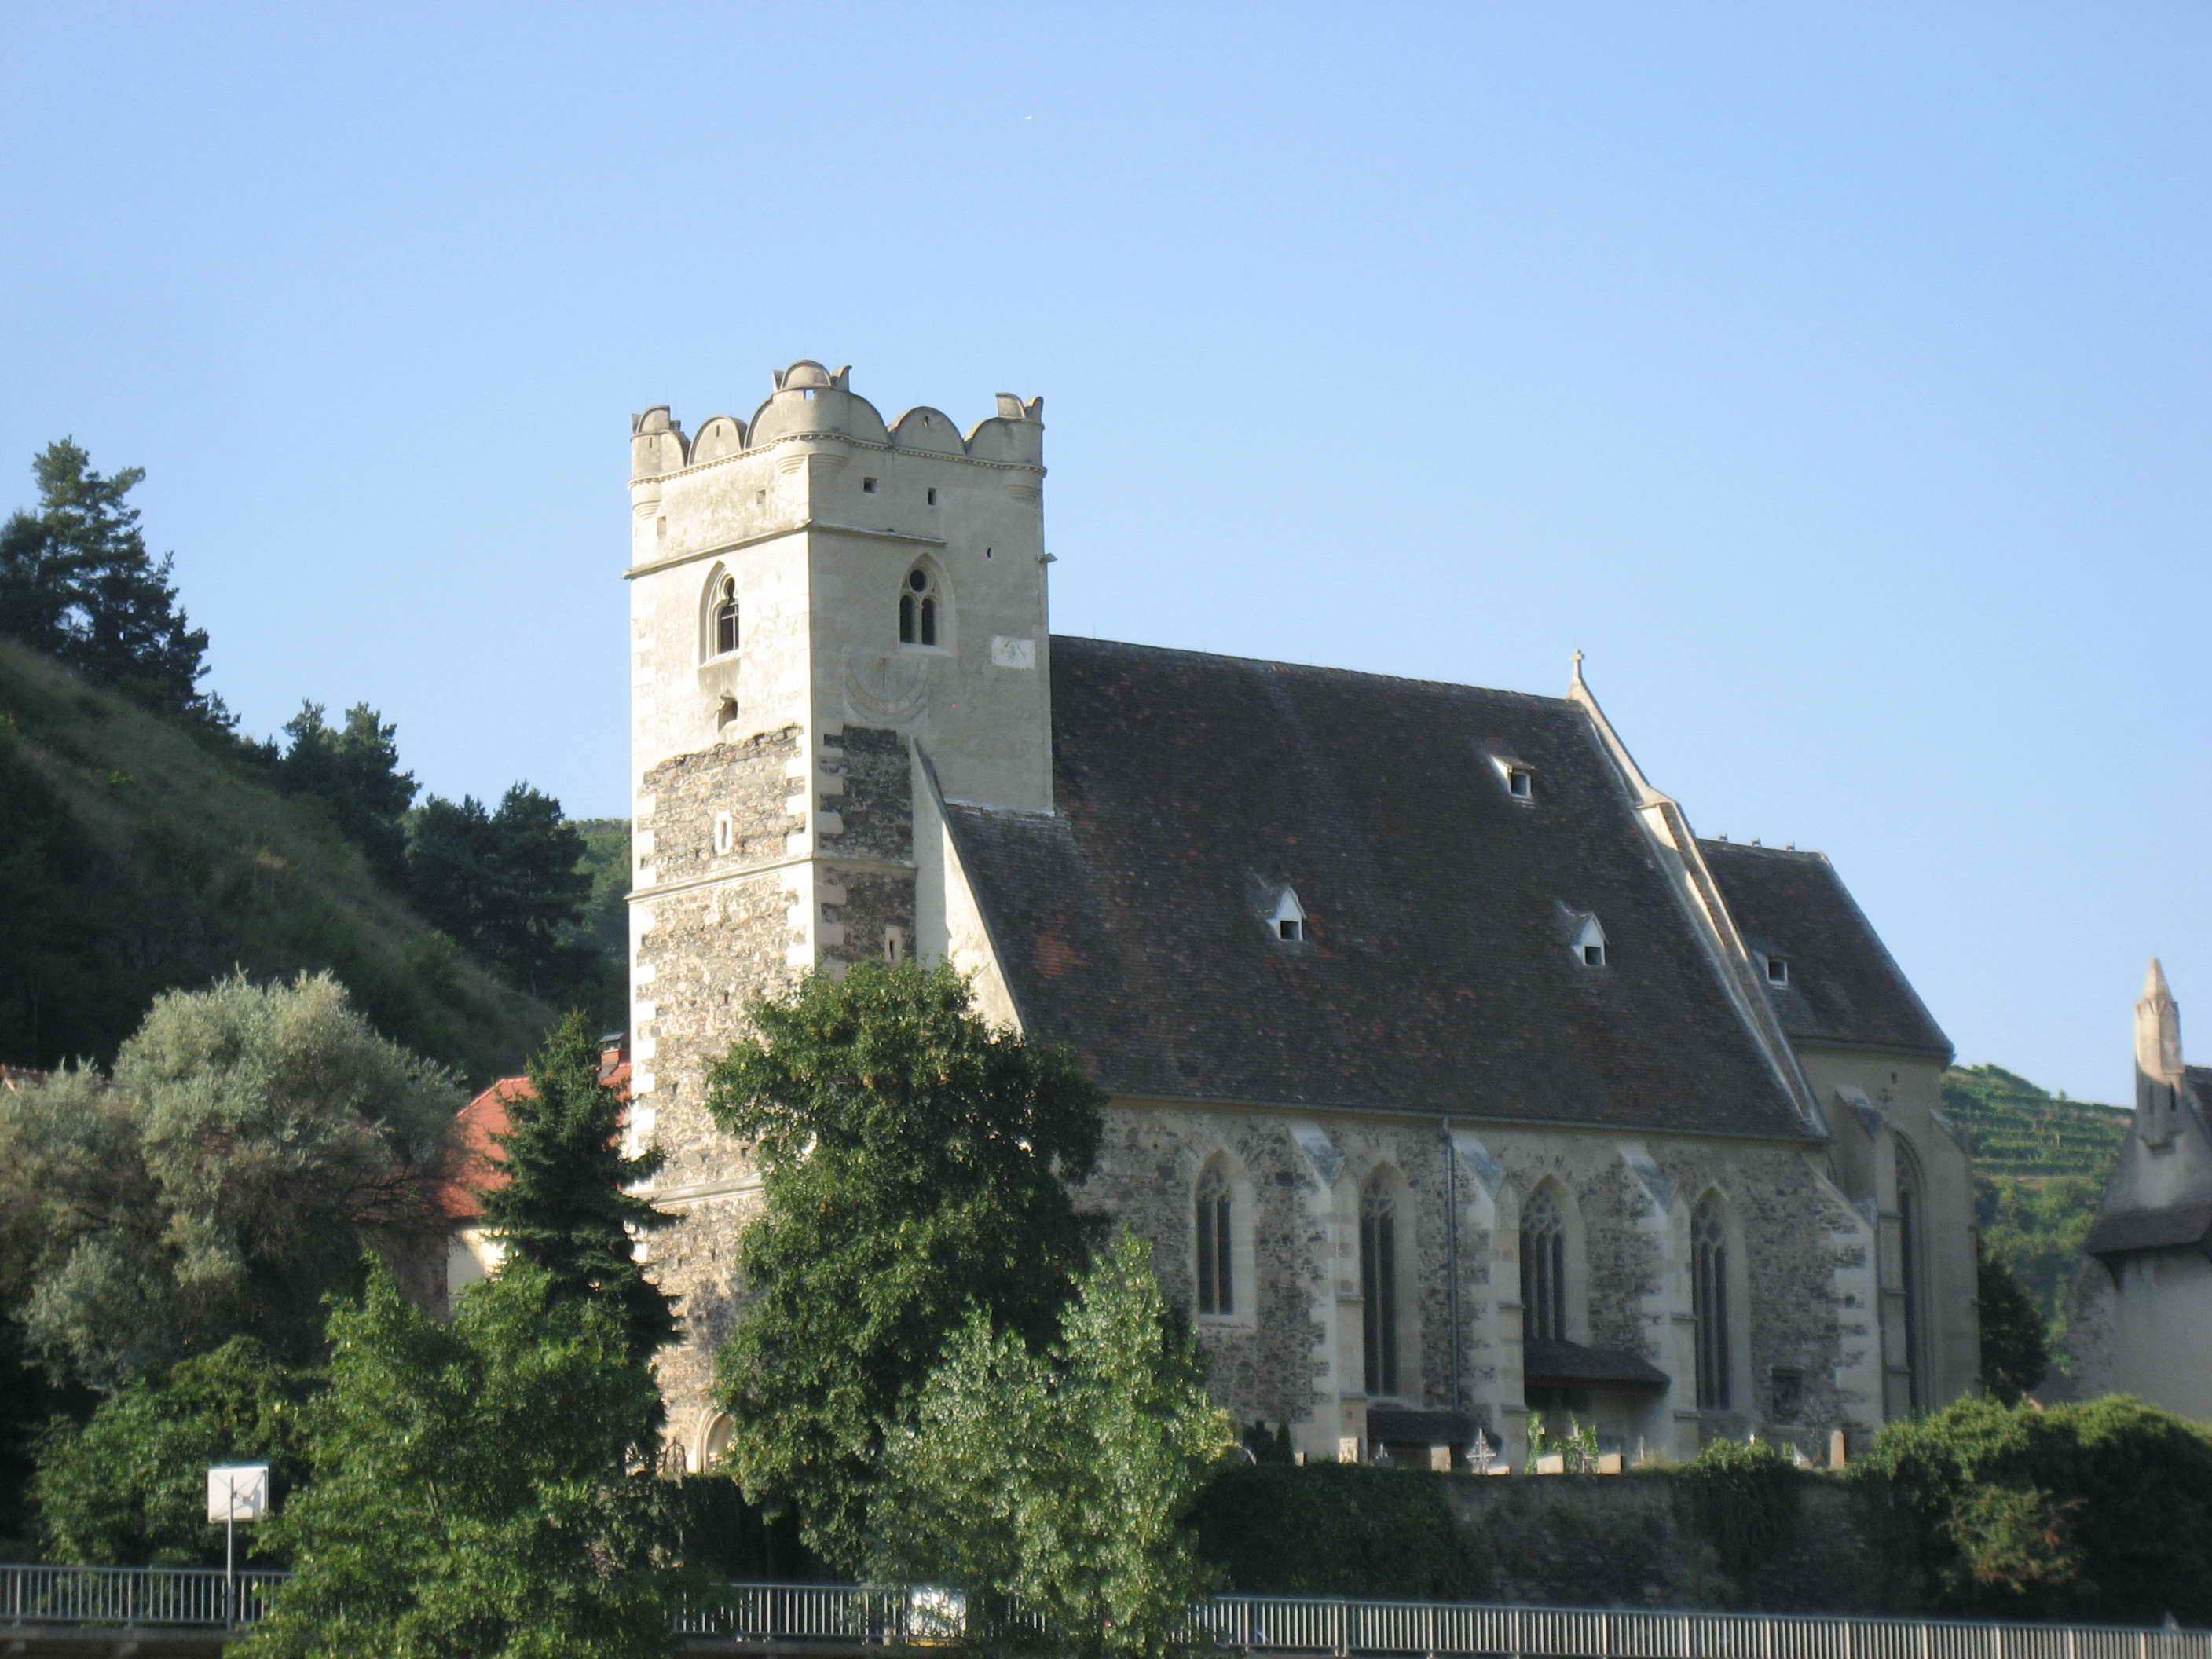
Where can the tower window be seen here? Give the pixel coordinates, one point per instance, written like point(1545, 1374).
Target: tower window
point(1777, 970)
point(868, 486)
point(726, 617)
point(933, 497)
point(725, 833)
point(918, 610)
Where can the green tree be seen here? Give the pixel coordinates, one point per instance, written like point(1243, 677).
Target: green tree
point(2096, 1511)
point(913, 1161)
point(252, 1141)
point(504, 884)
point(355, 769)
point(77, 583)
point(129, 1488)
point(1054, 1488)
point(566, 1207)
point(470, 1496)
point(2014, 1357)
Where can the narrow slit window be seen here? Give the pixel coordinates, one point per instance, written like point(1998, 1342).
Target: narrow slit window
point(1708, 1302)
point(1378, 1286)
point(933, 497)
point(1217, 1289)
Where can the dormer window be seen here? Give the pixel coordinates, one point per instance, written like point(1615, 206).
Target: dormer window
point(1519, 778)
point(1289, 918)
point(1588, 944)
point(1777, 970)
point(918, 610)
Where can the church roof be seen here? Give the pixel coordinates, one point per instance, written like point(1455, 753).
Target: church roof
point(1439, 972)
point(2162, 1199)
point(1843, 986)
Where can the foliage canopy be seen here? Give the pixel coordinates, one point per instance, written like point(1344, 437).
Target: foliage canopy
point(129, 1487)
point(1057, 1484)
point(913, 1162)
point(252, 1141)
point(471, 1497)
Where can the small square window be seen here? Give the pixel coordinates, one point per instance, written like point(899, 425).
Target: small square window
point(868, 486)
point(1777, 970)
point(1291, 928)
point(1593, 956)
point(1520, 783)
point(932, 498)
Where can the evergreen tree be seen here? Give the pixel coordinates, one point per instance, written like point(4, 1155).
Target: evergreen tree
point(77, 583)
point(355, 768)
point(2013, 1353)
point(565, 1207)
point(504, 884)
point(913, 1162)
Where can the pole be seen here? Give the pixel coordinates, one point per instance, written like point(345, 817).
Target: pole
point(230, 1563)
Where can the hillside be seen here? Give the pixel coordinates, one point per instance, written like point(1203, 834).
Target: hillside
point(2040, 1162)
point(135, 857)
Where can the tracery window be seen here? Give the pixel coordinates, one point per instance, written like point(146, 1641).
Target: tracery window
point(1378, 1285)
point(918, 609)
point(726, 617)
point(1216, 1278)
point(1709, 1301)
point(1543, 1268)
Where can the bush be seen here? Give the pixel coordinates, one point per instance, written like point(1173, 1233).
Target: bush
point(1336, 1529)
point(1744, 1498)
point(2091, 1511)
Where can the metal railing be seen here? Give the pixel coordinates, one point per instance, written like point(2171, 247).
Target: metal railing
point(851, 1615)
point(198, 1597)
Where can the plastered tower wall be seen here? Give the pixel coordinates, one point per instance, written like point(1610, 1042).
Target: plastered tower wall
point(779, 780)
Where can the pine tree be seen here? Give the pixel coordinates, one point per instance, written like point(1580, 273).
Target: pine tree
point(356, 768)
point(566, 1207)
point(77, 583)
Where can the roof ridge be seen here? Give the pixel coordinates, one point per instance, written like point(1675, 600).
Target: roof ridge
point(1760, 847)
point(1537, 697)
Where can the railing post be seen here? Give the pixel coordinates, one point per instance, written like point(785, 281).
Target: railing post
point(1520, 1646)
point(1341, 1612)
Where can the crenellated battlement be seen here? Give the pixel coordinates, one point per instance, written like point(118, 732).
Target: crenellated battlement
point(811, 401)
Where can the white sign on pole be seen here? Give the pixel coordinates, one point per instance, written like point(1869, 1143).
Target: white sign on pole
point(238, 1492)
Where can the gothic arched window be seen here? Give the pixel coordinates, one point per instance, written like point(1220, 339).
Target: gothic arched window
point(1543, 1268)
point(1908, 1269)
point(1708, 1302)
point(726, 617)
point(918, 609)
point(1216, 1278)
point(1378, 1285)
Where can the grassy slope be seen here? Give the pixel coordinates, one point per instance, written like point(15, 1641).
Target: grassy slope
point(2041, 1164)
point(141, 859)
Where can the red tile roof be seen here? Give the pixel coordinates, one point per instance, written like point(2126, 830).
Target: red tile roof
point(477, 1154)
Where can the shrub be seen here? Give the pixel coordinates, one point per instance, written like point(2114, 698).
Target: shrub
point(2097, 1510)
point(1743, 1497)
point(1336, 1529)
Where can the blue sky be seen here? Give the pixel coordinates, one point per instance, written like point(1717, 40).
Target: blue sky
point(1836, 378)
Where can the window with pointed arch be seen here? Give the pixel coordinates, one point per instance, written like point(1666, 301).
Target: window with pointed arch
point(1378, 1284)
point(918, 608)
point(1543, 1268)
point(1708, 1302)
point(1217, 1250)
point(1909, 1224)
point(726, 617)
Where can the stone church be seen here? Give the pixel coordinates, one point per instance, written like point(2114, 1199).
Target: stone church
point(1454, 1079)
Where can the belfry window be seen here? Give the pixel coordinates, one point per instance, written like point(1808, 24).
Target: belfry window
point(726, 617)
point(1217, 1286)
point(1708, 1302)
point(918, 610)
point(1543, 1269)
point(1378, 1285)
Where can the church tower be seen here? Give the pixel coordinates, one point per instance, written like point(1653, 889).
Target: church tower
point(834, 622)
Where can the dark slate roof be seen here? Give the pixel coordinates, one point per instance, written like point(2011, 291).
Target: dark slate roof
point(1133, 923)
point(1844, 987)
point(1558, 1361)
point(1399, 1425)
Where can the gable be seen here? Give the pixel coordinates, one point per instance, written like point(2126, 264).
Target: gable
point(1440, 968)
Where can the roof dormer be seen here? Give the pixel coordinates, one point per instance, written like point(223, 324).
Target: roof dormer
point(1289, 918)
